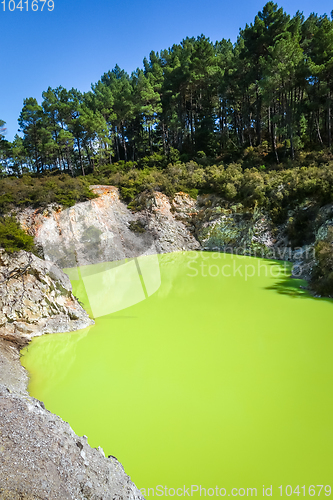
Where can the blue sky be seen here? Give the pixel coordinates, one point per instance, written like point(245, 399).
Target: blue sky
point(79, 40)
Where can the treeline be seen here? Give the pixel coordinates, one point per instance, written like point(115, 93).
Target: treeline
point(272, 88)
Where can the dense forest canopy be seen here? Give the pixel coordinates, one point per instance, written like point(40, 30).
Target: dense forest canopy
point(273, 88)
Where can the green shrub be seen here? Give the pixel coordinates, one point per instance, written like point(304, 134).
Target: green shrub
point(276, 190)
point(40, 191)
point(155, 160)
point(12, 237)
point(137, 226)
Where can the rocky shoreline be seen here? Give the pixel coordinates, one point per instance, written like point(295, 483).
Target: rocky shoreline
point(40, 456)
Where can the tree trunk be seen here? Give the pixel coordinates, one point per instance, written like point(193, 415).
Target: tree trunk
point(117, 145)
point(191, 124)
point(80, 157)
point(89, 158)
point(221, 124)
point(69, 163)
point(290, 125)
point(124, 142)
point(329, 130)
point(258, 118)
point(318, 130)
point(163, 138)
point(150, 144)
point(273, 136)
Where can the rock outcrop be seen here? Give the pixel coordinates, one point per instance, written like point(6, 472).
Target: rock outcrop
point(35, 298)
point(13, 376)
point(105, 230)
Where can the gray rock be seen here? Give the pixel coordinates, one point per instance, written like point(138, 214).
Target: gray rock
point(35, 298)
point(101, 230)
point(12, 374)
point(42, 458)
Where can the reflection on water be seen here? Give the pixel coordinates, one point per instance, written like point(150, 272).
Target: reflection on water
point(212, 380)
point(112, 286)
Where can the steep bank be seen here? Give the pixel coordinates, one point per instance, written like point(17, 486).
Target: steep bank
point(40, 455)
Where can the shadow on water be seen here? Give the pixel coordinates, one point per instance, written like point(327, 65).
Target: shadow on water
point(293, 287)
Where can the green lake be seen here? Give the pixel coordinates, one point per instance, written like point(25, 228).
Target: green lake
point(201, 369)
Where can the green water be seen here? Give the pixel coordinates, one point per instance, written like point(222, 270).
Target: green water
point(209, 379)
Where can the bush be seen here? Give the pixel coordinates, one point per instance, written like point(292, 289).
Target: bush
point(137, 226)
point(12, 237)
point(40, 191)
point(275, 190)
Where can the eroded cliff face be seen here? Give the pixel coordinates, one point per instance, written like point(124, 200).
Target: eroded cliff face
point(221, 225)
point(35, 298)
point(104, 230)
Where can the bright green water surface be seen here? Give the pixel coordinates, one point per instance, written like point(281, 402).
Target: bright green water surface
point(211, 380)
